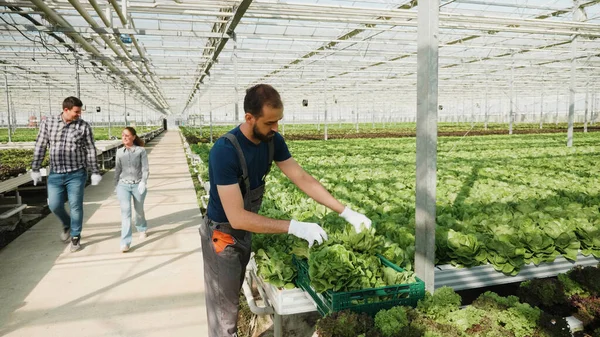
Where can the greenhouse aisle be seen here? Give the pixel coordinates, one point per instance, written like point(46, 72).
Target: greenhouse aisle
point(156, 289)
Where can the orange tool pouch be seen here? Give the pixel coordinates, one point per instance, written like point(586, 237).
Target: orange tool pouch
point(221, 240)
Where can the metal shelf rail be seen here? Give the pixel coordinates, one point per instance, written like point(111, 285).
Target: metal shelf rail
point(486, 275)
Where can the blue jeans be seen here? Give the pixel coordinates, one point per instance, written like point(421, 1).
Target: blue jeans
point(61, 185)
point(125, 192)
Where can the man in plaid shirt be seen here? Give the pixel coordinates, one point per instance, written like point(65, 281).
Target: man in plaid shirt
point(72, 151)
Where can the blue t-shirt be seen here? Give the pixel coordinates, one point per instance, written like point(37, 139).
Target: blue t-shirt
point(224, 167)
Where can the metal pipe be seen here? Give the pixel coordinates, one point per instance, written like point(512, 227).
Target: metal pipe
point(75, 3)
point(472, 111)
point(572, 94)
point(77, 86)
point(8, 117)
point(557, 102)
point(372, 113)
point(512, 94)
point(426, 160)
point(356, 103)
point(593, 113)
point(237, 16)
point(585, 116)
point(542, 105)
point(124, 10)
point(53, 16)
point(200, 115)
point(486, 105)
point(109, 23)
point(49, 99)
point(108, 109)
point(325, 100)
point(235, 78)
point(125, 105)
point(211, 119)
point(40, 108)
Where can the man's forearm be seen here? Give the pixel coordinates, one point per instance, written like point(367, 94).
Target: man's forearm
point(37, 161)
point(255, 223)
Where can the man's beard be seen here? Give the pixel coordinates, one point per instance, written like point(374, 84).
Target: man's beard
point(260, 136)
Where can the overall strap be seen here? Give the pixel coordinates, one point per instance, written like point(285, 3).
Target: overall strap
point(271, 154)
point(236, 145)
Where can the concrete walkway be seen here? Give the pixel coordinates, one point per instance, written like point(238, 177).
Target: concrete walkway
point(156, 289)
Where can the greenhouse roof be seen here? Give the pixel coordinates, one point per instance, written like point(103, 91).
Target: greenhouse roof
point(176, 56)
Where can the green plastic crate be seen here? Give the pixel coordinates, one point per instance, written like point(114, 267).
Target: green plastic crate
point(369, 301)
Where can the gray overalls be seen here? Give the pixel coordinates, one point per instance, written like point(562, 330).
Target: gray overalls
point(226, 252)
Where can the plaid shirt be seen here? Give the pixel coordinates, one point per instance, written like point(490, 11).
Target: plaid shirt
point(71, 146)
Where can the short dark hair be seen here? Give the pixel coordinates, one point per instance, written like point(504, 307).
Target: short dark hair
point(71, 101)
point(259, 96)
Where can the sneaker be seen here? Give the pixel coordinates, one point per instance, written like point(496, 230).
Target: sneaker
point(143, 235)
point(125, 248)
point(75, 245)
point(65, 235)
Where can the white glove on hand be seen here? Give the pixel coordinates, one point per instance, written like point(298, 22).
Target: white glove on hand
point(356, 219)
point(308, 231)
point(36, 177)
point(142, 187)
point(96, 179)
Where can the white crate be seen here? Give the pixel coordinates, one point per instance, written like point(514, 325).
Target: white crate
point(284, 301)
point(574, 324)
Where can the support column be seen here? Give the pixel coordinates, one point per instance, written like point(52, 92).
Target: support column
point(108, 109)
point(210, 117)
point(49, 100)
point(542, 106)
point(593, 113)
point(578, 16)
point(200, 115)
point(572, 93)
point(235, 77)
point(372, 113)
point(427, 109)
point(8, 115)
point(356, 103)
point(472, 111)
point(512, 94)
point(557, 104)
point(587, 95)
point(40, 107)
point(77, 86)
point(325, 102)
point(125, 105)
point(485, 127)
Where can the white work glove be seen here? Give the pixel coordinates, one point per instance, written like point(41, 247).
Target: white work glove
point(96, 179)
point(36, 177)
point(308, 231)
point(142, 187)
point(356, 219)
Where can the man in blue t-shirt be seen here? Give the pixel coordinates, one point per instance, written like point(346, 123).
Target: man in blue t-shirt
point(238, 164)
